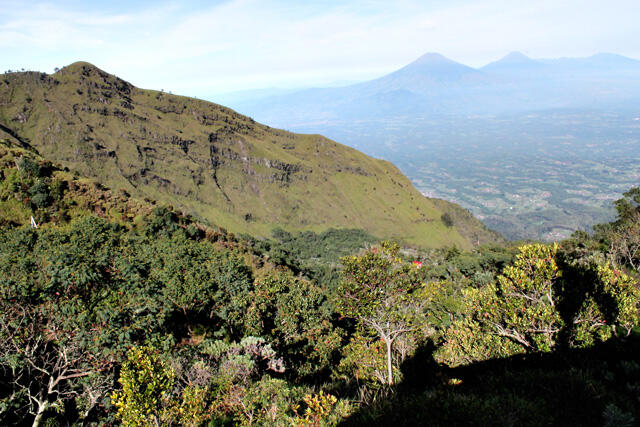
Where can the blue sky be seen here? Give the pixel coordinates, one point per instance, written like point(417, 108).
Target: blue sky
point(200, 48)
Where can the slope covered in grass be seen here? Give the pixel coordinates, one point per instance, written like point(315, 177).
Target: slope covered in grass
point(211, 162)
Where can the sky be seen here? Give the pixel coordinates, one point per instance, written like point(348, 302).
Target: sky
point(202, 48)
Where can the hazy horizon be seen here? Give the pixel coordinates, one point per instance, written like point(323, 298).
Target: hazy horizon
point(352, 82)
point(197, 48)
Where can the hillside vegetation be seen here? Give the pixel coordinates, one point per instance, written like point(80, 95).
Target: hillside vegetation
point(120, 311)
point(222, 167)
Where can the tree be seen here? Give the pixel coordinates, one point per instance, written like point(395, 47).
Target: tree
point(625, 244)
point(201, 283)
point(48, 340)
point(516, 314)
point(527, 313)
point(628, 205)
point(46, 362)
point(293, 314)
point(543, 300)
point(375, 290)
point(597, 301)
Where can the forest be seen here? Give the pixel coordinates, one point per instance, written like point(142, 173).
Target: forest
point(115, 311)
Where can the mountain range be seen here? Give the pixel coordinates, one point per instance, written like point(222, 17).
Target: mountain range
point(434, 84)
point(217, 165)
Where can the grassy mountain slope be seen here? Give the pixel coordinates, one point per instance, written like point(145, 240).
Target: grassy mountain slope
point(211, 162)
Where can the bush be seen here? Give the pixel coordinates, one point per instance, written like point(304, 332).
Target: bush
point(447, 219)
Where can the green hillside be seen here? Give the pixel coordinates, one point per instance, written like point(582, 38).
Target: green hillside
point(212, 163)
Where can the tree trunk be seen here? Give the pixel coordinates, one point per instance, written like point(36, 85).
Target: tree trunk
point(388, 342)
point(42, 407)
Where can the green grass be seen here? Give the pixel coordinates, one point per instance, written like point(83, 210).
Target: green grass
point(159, 146)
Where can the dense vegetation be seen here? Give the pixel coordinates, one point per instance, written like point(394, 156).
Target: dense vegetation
point(119, 311)
point(87, 301)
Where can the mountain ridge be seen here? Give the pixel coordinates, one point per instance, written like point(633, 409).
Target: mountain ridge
point(430, 72)
point(444, 86)
point(511, 60)
point(212, 162)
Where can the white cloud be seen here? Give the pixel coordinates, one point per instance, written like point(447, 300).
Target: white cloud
point(250, 43)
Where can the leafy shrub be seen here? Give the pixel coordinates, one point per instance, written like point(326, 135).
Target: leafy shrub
point(146, 382)
point(447, 219)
